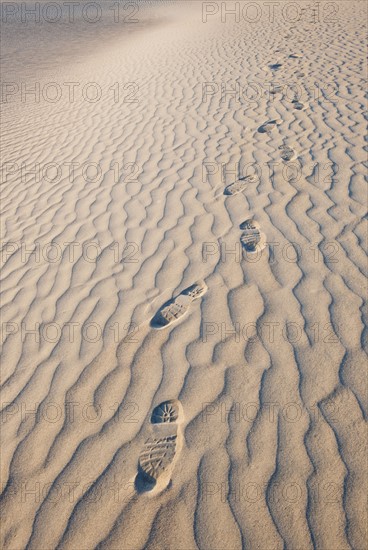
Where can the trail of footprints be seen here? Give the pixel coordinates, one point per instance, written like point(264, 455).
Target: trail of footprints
point(267, 127)
point(161, 449)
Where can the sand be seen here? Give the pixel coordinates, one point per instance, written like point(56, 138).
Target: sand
point(263, 445)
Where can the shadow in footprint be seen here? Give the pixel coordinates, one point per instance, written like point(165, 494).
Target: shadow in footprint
point(276, 89)
point(252, 238)
point(144, 483)
point(298, 105)
point(160, 320)
point(287, 153)
point(238, 186)
point(267, 127)
point(275, 66)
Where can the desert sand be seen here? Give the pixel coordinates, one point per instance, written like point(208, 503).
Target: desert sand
point(183, 278)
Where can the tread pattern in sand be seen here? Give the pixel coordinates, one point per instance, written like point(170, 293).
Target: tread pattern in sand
point(287, 153)
point(298, 105)
point(166, 412)
point(239, 186)
point(252, 238)
point(179, 306)
point(157, 457)
point(268, 126)
point(195, 291)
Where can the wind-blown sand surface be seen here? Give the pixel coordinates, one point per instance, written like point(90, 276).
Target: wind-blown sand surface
point(266, 444)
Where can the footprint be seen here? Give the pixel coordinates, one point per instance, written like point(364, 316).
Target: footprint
point(298, 105)
point(267, 127)
point(296, 55)
point(275, 66)
point(250, 224)
point(196, 291)
point(239, 186)
point(167, 412)
point(252, 238)
point(178, 307)
point(287, 153)
point(300, 75)
point(276, 89)
point(157, 459)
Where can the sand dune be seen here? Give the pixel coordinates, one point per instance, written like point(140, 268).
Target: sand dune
point(228, 153)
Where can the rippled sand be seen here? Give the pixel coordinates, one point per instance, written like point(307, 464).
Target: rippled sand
point(263, 444)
